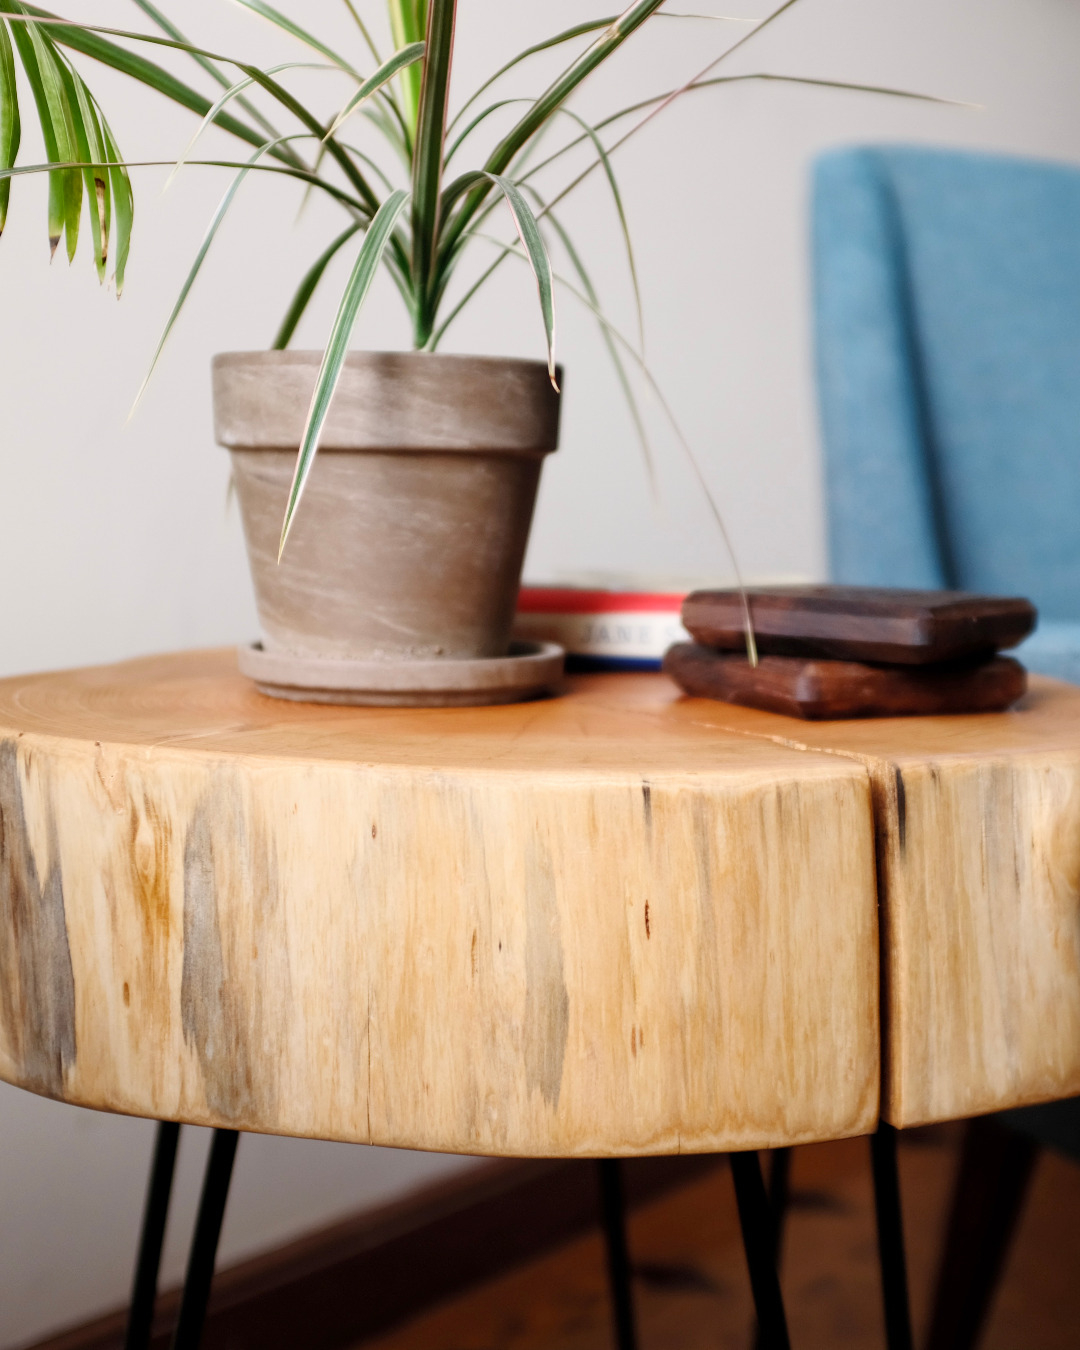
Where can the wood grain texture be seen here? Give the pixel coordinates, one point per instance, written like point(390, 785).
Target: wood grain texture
point(978, 824)
point(816, 689)
point(584, 925)
point(860, 623)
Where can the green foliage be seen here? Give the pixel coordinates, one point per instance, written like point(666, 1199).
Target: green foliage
point(404, 215)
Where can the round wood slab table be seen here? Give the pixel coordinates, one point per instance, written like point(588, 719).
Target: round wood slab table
point(616, 922)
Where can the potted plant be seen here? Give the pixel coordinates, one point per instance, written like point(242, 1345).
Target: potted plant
point(397, 579)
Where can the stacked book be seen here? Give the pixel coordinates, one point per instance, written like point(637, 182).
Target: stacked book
point(604, 626)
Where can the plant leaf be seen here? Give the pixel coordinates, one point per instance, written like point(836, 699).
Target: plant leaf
point(65, 185)
point(283, 22)
point(10, 124)
point(123, 206)
point(376, 239)
point(578, 30)
point(399, 61)
point(476, 121)
point(428, 157)
point(687, 449)
point(90, 149)
point(232, 92)
point(529, 233)
point(200, 258)
point(307, 286)
point(409, 25)
point(623, 223)
point(83, 38)
point(612, 350)
point(364, 32)
point(167, 26)
point(544, 107)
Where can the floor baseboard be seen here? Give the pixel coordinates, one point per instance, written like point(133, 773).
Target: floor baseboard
point(332, 1288)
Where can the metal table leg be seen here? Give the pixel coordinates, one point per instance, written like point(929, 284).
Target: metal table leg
point(779, 1191)
point(200, 1271)
point(890, 1233)
point(155, 1214)
point(759, 1239)
point(613, 1218)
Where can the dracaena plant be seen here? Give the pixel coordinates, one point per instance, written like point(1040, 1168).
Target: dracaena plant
point(417, 218)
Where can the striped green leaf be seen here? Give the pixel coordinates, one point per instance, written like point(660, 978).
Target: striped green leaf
point(408, 24)
point(545, 106)
point(567, 35)
point(211, 67)
point(408, 56)
point(47, 87)
point(123, 201)
point(307, 286)
point(200, 257)
point(90, 151)
point(427, 166)
point(617, 363)
point(234, 91)
point(367, 263)
point(532, 241)
point(609, 173)
point(93, 40)
point(289, 26)
point(10, 125)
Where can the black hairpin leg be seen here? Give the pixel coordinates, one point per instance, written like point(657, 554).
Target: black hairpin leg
point(890, 1233)
point(779, 1190)
point(200, 1271)
point(613, 1218)
point(155, 1214)
point(759, 1245)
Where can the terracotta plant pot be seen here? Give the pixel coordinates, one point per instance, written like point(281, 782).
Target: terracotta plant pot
point(409, 541)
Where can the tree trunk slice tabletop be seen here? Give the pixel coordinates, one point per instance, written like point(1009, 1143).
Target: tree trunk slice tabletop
point(620, 921)
point(599, 924)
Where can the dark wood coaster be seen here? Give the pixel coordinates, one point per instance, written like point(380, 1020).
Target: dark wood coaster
point(819, 690)
point(860, 623)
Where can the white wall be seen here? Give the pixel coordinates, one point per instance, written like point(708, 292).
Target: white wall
point(116, 540)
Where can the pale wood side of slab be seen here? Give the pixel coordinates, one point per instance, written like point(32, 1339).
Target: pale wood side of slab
point(982, 869)
point(978, 822)
point(467, 960)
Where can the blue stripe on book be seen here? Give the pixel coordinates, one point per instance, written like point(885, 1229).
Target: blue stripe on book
point(581, 665)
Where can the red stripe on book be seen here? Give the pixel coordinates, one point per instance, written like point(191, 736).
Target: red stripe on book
point(564, 600)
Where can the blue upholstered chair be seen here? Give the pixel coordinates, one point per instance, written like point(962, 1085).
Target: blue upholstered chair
point(947, 313)
point(947, 318)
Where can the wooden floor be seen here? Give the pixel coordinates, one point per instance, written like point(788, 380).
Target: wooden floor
point(691, 1285)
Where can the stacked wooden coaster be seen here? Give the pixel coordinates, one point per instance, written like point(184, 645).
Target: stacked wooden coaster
point(853, 651)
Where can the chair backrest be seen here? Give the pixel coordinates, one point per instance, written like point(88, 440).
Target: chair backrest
point(947, 315)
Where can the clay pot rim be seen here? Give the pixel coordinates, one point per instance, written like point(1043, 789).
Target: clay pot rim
point(388, 401)
point(390, 357)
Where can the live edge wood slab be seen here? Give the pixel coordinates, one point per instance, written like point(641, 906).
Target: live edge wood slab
point(978, 845)
point(599, 924)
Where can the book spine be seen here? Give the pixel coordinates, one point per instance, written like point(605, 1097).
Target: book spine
point(638, 635)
